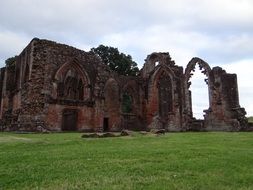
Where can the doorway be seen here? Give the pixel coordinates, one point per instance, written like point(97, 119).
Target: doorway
point(69, 120)
point(106, 124)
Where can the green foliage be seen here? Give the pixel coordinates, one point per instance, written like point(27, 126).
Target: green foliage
point(127, 103)
point(250, 119)
point(119, 62)
point(172, 161)
point(10, 61)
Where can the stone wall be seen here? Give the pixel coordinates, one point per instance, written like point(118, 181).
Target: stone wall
point(58, 87)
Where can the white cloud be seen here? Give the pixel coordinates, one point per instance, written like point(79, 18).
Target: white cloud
point(159, 38)
point(218, 31)
point(11, 44)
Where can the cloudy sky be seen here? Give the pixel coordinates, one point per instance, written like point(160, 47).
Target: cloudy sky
point(218, 31)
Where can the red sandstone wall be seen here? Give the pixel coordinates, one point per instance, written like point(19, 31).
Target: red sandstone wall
point(87, 119)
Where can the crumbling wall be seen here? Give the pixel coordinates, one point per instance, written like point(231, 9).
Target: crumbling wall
point(164, 95)
point(225, 113)
point(112, 105)
point(65, 64)
point(52, 86)
point(131, 97)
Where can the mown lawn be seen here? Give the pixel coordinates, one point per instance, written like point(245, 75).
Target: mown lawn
point(172, 161)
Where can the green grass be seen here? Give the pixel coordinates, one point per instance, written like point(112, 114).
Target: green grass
point(172, 161)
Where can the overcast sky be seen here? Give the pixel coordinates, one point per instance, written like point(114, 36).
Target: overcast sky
point(218, 31)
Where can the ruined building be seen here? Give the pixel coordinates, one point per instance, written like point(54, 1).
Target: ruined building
point(58, 87)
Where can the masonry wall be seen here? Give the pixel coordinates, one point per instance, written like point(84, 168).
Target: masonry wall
point(159, 66)
point(90, 110)
point(58, 87)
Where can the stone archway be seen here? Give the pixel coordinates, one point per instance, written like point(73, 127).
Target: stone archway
point(189, 71)
point(71, 82)
point(161, 104)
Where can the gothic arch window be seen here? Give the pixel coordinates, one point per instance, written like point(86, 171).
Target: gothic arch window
point(165, 95)
point(189, 72)
point(70, 86)
point(127, 103)
point(72, 82)
point(80, 89)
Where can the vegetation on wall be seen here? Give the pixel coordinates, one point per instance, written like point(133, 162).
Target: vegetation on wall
point(127, 103)
point(10, 61)
point(10, 66)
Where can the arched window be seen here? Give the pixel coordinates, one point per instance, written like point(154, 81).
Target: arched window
point(198, 93)
point(80, 89)
point(193, 102)
point(127, 103)
point(70, 86)
point(72, 82)
point(165, 95)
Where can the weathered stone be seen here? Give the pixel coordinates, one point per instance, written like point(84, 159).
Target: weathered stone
point(125, 133)
point(158, 131)
point(144, 133)
point(109, 134)
point(100, 135)
point(91, 135)
point(61, 88)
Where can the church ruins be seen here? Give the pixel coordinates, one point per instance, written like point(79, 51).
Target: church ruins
point(60, 88)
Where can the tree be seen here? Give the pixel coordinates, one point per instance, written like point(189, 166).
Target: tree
point(10, 61)
point(119, 62)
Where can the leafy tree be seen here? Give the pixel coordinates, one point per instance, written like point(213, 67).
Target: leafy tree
point(10, 61)
point(119, 62)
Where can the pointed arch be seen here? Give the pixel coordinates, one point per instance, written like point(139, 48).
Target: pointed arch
point(129, 97)
point(191, 68)
point(206, 70)
point(72, 81)
point(127, 103)
point(165, 93)
point(159, 70)
point(161, 90)
point(159, 73)
point(63, 69)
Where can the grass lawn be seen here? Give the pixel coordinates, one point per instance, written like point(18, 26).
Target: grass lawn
point(172, 161)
